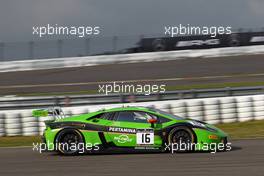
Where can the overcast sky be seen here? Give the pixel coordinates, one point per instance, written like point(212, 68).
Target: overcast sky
point(125, 17)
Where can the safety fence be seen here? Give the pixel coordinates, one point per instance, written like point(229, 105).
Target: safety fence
point(100, 44)
point(211, 110)
point(10, 66)
point(14, 103)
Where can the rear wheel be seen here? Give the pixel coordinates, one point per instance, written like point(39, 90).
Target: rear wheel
point(181, 139)
point(69, 141)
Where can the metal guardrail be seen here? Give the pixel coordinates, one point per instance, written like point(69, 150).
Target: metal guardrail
point(10, 103)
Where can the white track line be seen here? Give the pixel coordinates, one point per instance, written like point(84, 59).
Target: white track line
point(131, 81)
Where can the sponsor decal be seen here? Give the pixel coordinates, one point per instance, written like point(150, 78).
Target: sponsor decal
point(159, 45)
point(146, 148)
point(122, 130)
point(122, 139)
point(257, 39)
point(198, 42)
point(213, 137)
point(234, 40)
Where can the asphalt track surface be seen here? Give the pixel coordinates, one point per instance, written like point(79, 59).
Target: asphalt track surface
point(178, 72)
point(246, 158)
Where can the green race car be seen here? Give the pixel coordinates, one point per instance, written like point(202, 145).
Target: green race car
point(136, 128)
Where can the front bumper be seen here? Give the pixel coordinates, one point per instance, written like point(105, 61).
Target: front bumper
point(207, 138)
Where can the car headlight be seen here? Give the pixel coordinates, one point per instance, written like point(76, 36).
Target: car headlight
point(197, 124)
point(201, 125)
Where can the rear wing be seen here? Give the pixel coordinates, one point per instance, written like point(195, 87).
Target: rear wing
point(55, 112)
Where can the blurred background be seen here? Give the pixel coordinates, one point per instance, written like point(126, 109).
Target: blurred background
point(218, 80)
point(65, 70)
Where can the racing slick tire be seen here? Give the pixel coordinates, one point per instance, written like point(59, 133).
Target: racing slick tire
point(181, 139)
point(68, 142)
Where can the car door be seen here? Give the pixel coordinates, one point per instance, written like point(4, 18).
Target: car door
point(132, 129)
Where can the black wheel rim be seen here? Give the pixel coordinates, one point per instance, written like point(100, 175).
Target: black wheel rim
point(182, 137)
point(68, 143)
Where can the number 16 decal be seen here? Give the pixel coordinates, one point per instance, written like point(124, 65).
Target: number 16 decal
point(145, 136)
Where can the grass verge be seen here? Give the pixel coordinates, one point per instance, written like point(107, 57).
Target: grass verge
point(244, 130)
point(19, 141)
point(215, 85)
point(241, 130)
point(168, 88)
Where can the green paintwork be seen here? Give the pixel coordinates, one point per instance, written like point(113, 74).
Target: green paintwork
point(40, 113)
point(120, 139)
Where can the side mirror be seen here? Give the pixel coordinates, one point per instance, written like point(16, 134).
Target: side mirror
point(152, 121)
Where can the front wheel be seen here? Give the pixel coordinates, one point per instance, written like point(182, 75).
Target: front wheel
point(181, 139)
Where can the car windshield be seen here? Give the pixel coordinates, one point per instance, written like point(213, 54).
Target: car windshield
point(167, 114)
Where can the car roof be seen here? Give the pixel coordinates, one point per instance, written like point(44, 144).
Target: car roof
point(128, 108)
